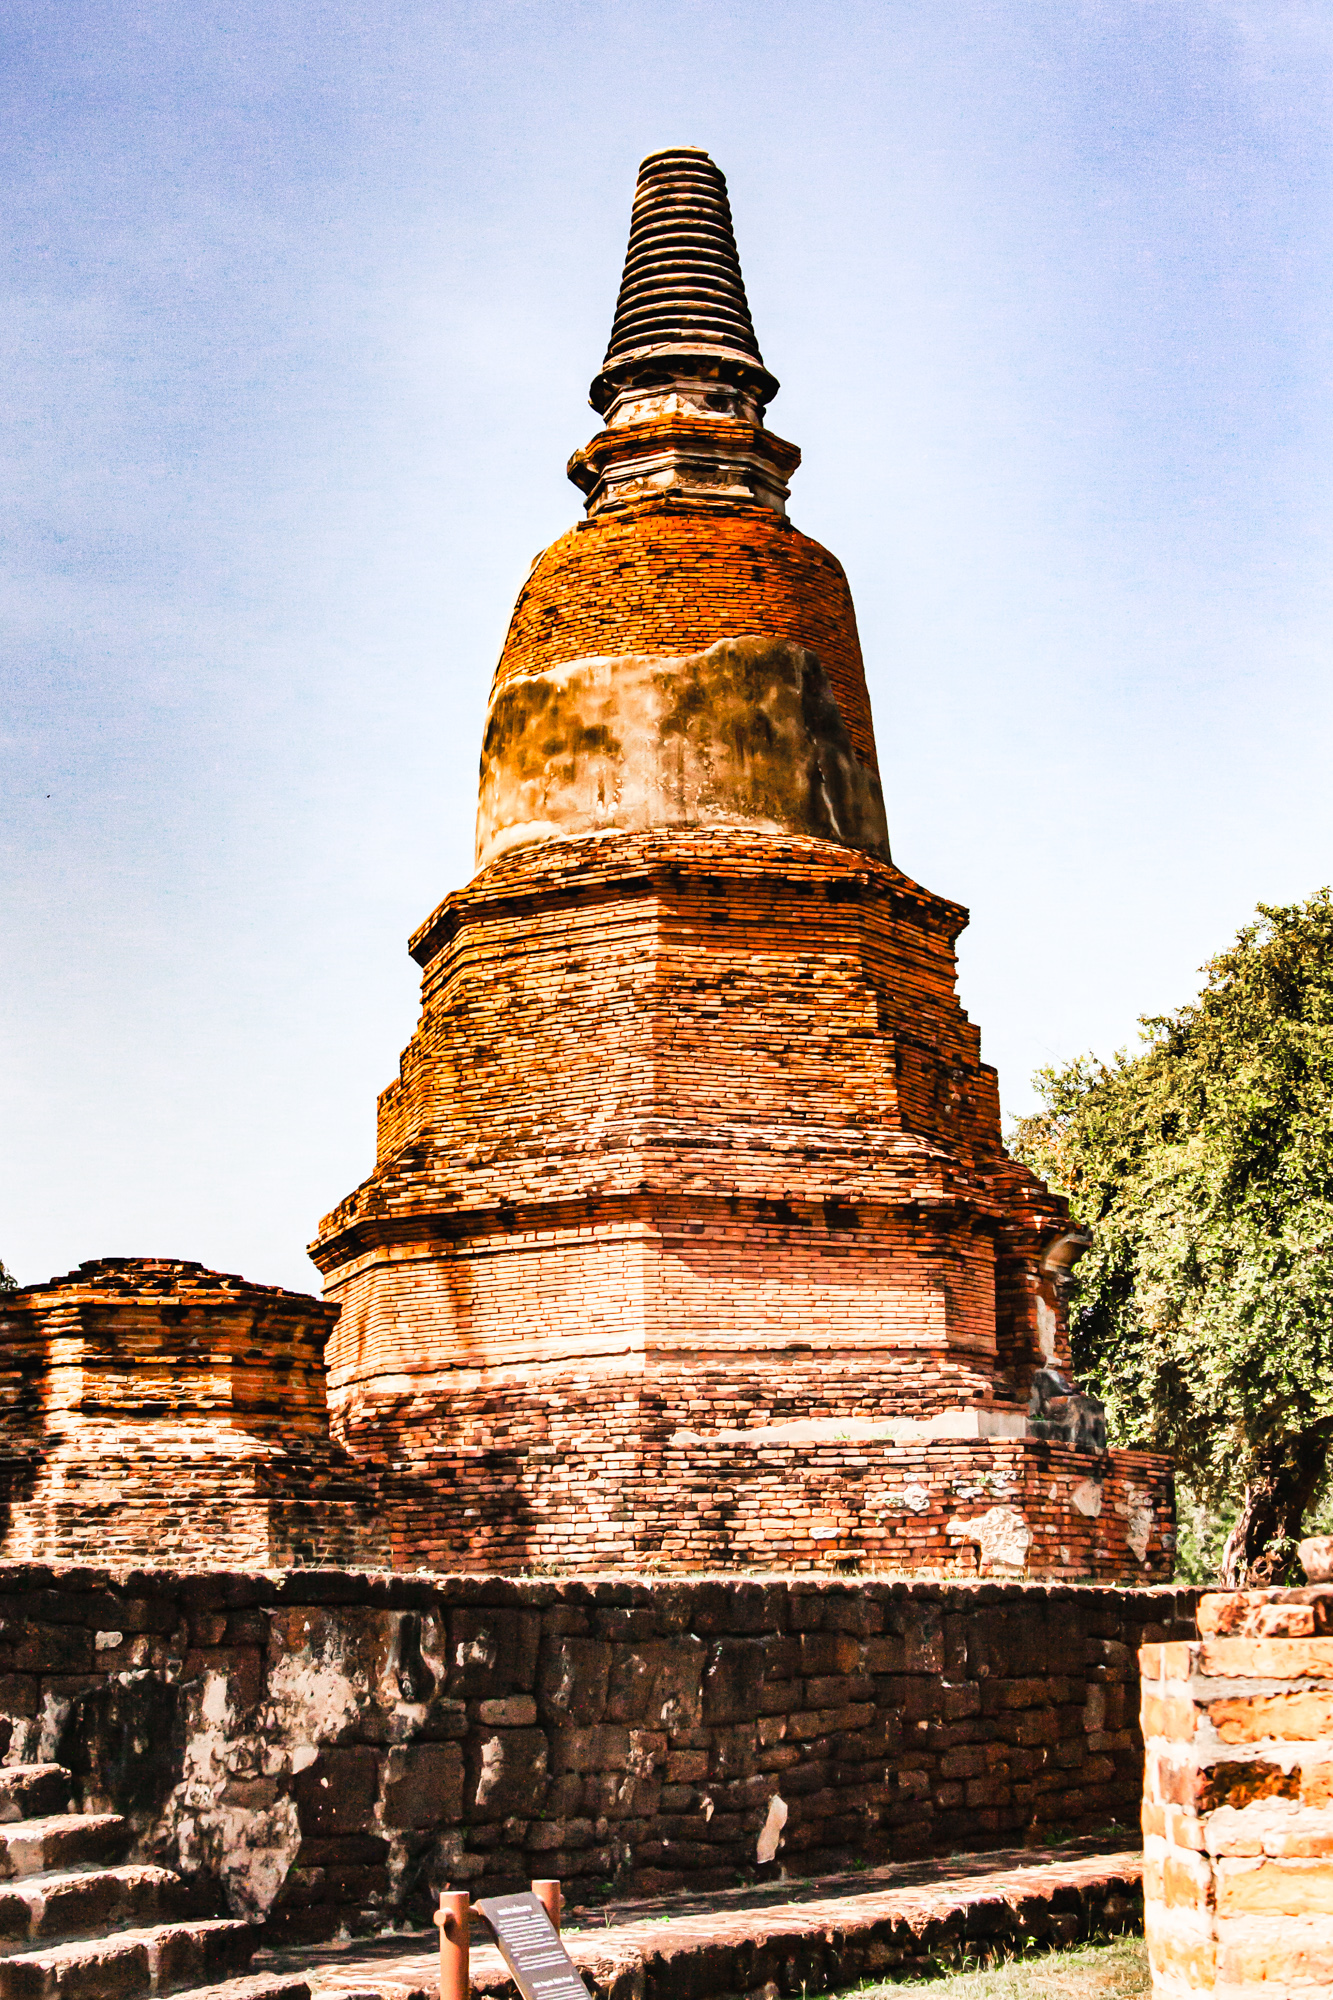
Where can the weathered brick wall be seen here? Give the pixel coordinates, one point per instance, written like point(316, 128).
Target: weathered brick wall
point(336, 1747)
point(1238, 1798)
point(715, 1310)
point(521, 1477)
point(705, 978)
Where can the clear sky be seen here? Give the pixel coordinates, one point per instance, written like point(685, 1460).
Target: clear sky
point(300, 305)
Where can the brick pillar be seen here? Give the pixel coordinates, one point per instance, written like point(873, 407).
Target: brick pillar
point(1238, 1798)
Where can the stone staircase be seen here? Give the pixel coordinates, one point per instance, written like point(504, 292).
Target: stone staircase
point(79, 1922)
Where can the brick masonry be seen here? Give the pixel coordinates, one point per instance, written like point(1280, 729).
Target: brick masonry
point(674, 579)
point(334, 1747)
point(998, 1508)
point(151, 1409)
point(691, 1240)
point(694, 1139)
point(1238, 1798)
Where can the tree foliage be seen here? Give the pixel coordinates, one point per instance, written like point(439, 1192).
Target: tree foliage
point(1203, 1165)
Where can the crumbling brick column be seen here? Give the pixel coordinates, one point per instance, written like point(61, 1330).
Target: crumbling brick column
point(150, 1409)
point(1238, 1798)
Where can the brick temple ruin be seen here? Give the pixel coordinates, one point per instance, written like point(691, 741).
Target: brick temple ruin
point(691, 1241)
point(691, 1245)
point(691, 1234)
point(153, 1408)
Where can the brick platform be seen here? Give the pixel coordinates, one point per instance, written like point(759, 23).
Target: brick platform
point(1238, 1799)
point(695, 1140)
point(817, 1937)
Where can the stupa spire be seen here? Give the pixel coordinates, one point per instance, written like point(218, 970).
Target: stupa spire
point(682, 293)
point(683, 388)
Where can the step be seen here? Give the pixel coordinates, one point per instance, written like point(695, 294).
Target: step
point(29, 1790)
point(85, 1902)
point(61, 1841)
point(127, 1965)
point(899, 1921)
point(252, 1986)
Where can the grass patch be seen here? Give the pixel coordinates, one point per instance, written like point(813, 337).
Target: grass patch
point(1114, 1971)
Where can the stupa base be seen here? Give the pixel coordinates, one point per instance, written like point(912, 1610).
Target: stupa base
point(790, 1497)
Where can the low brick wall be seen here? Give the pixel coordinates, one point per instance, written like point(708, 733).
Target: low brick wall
point(336, 1747)
point(1238, 1798)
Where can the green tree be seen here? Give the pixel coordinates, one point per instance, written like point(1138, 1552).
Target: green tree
point(1203, 1166)
point(8, 1282)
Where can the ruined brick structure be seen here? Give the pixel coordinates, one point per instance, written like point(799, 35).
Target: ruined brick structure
point(149, 1407)
point(1238, 1799)
point(691, 1235)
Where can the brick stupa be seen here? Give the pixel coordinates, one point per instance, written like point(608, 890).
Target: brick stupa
point(691, 1236)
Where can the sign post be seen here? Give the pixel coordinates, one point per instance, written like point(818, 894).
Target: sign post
point(454, 1920)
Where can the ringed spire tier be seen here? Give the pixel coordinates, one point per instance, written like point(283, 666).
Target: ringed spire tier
point(682, 292)
point(683, 388)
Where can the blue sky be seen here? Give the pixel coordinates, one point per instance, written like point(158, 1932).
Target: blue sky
point(300, 305)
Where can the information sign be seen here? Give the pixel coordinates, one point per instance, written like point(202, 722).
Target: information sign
point(530, 1946)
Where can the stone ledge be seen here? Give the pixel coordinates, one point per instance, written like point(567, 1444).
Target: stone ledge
point(810, 1942)
point(715, 1593)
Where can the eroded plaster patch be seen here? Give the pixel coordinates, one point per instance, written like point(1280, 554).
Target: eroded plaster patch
point(770, 1834)
point(1136, 1507)
point(1047, 1325)
point(224, 1817)
point(232, 1812)
point(1001, 1533)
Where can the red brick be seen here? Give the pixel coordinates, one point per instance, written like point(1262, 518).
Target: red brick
point(177, 1416)
point(1170, 1716)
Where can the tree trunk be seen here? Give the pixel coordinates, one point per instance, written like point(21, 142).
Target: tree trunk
point(1283, 1480)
